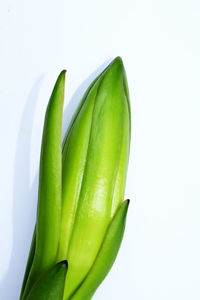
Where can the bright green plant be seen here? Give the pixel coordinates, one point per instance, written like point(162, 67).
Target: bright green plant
point(81, 214)
point(50, 285)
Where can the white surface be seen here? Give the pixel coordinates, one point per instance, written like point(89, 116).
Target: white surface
point(159, 42)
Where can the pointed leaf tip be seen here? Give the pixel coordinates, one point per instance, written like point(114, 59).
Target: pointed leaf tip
point(106, 255)
point(51, 284)
point(63, 72)
point(64, 262)
point(127, 201)
point(118, 61)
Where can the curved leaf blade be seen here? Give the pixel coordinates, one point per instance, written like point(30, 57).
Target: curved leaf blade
point(51, 284)
point(50, 184)
point(106, 256)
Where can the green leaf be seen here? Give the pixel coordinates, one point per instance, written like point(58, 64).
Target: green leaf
point(50, 186)
point(105, 257)
point(50, 286)
point(95, 159)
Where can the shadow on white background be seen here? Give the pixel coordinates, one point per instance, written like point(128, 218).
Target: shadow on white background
point(24, 197)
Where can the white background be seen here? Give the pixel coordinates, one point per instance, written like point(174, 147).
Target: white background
point(159, 42)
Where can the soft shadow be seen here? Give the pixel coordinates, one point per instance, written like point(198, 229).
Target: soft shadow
point(24, 201)
point(25, 194)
